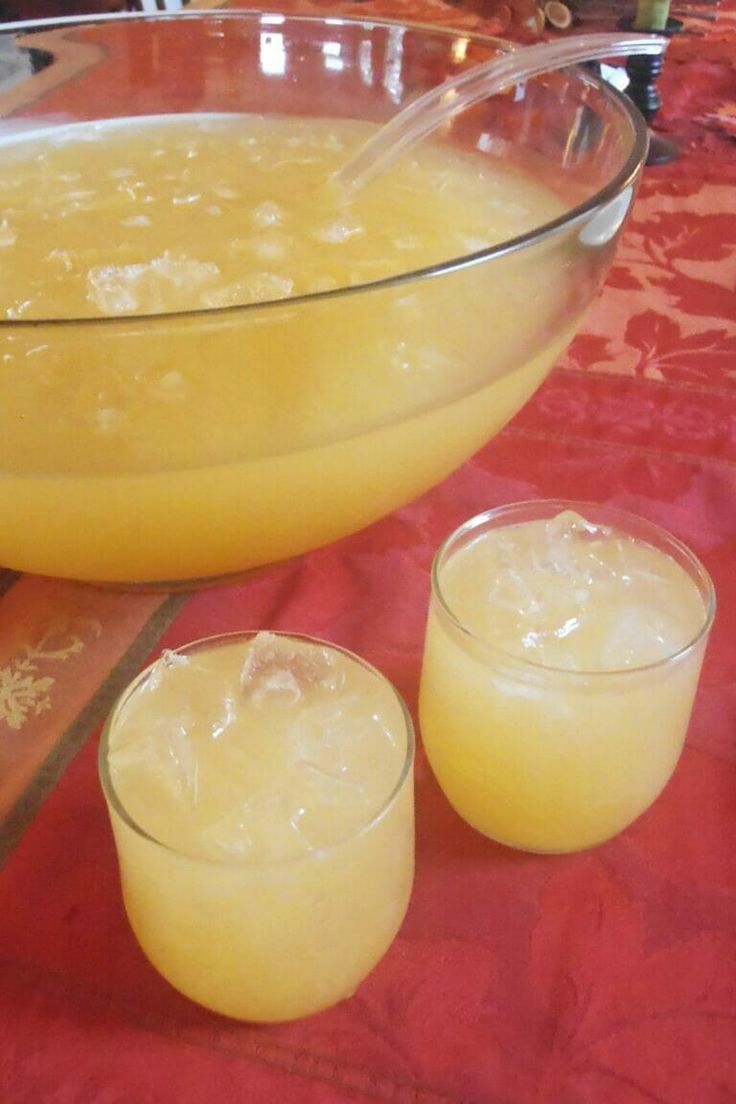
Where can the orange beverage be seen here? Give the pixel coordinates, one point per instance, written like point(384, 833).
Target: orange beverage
point(260, 792)
point(172, 427)
point(563, 650)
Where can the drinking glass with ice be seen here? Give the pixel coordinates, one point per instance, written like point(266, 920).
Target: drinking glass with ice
point(564, 645)
point(260, 791)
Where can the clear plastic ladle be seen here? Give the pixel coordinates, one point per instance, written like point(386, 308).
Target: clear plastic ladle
point(425, 114)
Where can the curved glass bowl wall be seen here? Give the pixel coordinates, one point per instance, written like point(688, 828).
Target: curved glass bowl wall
point(220, 498)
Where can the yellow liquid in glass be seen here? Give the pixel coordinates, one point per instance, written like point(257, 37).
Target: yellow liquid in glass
point(136, 447)
point(555, 720)
point(270, 785)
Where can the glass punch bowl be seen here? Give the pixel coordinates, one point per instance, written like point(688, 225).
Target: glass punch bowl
point(179, 447)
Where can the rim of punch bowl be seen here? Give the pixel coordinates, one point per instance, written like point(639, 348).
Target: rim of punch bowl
point(701, 578)
point(222, 639)
point(618, 184)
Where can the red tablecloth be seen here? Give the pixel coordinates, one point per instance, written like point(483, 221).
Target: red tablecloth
point(605, 976)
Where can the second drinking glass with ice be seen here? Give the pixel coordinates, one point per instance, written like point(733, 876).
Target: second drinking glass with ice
point(563, 651)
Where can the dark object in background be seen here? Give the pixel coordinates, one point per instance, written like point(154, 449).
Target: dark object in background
point(11, 10)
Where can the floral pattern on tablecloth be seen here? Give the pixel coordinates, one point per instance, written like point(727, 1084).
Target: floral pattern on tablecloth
point(602, 978)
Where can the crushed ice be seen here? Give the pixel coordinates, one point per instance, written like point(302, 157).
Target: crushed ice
point(259, 287)
point(8, 236)
point(341, 230)
point(168, 661)
point(266, 214)
point(275, 669)
point(123, 289)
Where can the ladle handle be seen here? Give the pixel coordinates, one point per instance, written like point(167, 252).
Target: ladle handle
point(438, 105)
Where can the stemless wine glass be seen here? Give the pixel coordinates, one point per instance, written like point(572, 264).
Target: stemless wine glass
point(260, 789)
point(534, 750)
